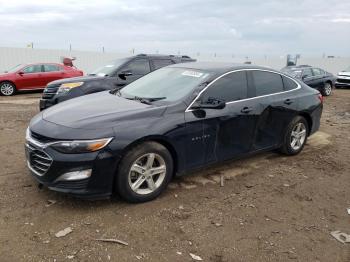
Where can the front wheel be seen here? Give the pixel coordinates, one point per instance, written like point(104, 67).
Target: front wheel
point(7, 89)
point(327, 89)
point(144, 172)
point(295, 136)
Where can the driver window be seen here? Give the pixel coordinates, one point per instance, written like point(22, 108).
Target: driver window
point(32, 69)
point(138, 67)
point(307, 72)
point(231, 87)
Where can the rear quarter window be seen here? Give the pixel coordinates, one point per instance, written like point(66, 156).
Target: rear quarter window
point(289, 84)
point(267, 83)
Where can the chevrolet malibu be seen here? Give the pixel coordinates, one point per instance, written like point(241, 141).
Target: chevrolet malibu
point(178, 118)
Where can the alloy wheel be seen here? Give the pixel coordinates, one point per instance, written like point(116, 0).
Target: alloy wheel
point(7, 89)
point(147, 174)
point(328, 89)
point(298, 136)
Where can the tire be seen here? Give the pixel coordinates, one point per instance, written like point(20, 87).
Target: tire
point(327, 89)
point(134, 177)
point(7, 89)
point(293, 134)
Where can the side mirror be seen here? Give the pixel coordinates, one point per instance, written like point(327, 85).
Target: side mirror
point(125, 73)
point(21, 73)
point(211, 103)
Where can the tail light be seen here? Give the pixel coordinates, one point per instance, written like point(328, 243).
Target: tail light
point(320, 97)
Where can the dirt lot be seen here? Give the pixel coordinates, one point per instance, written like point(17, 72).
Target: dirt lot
point(271, 208)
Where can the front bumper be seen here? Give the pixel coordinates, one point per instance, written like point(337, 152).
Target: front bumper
point(46, 165)
point(340, 84)
point(46, 103)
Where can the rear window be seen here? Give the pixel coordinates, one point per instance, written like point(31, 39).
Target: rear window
point(51, 68)
point(267, 83)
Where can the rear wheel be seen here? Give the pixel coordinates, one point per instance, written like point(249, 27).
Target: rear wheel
point(7, 89)
point(327, 89)
point(295, 136)
point(144, 172)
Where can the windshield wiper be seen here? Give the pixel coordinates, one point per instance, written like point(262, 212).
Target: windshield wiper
point(147, 100)
point(116, 91)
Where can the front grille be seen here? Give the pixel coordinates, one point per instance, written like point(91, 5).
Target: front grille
point(38, 160)
point(79, 184)
point(50, 91)
point(346, 81)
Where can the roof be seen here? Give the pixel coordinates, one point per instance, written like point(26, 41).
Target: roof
point(219, 68)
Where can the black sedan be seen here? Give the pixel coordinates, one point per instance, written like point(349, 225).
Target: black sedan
point(312, 76)
point(178, 118)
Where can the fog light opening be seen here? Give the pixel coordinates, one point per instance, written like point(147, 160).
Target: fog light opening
point(75, 175)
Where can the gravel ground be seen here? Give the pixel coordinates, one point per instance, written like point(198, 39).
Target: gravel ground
point(271, 207)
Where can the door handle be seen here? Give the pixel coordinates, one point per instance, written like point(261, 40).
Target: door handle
point(288, 101)
point(246, 109)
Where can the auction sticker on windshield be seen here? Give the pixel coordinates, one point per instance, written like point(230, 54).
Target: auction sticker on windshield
point(192, 73)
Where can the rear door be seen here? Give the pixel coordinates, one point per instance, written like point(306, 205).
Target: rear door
point(278, 105)
point(51, 73)
point(31, 77)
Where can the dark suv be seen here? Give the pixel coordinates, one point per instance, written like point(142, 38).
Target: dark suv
point(114, 75)
point(314, 77)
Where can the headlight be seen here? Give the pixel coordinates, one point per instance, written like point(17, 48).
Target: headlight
point(81, 146)
point(64, 88)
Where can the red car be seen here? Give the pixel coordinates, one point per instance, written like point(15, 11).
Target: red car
point(34, 76)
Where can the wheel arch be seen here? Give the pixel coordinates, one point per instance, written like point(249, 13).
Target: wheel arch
point(308, 120)
point(8, 81)
point(329, 82)
point(161, 140)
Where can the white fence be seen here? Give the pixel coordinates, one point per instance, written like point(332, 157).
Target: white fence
point(87, 61)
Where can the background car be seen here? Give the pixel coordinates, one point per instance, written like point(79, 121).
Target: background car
point(33, 76)
point(134, 140)
point(312, 76)
point(343, 78)
point(115, 74)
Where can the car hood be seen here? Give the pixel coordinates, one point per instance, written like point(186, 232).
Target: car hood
point(4, 75)
point(343, 73)
point(100, 110)
point(76, 79)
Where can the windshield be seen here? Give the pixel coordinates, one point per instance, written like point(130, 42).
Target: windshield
point(166, 84)
point(15, 68)
point(109, 68)
point(347, 69)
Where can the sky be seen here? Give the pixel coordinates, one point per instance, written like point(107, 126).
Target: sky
point(234, 27)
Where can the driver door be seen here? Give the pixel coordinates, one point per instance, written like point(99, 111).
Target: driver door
point(30, 77)
point(220, 134)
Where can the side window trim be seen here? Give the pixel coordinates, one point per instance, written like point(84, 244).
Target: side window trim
point(188, 109)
